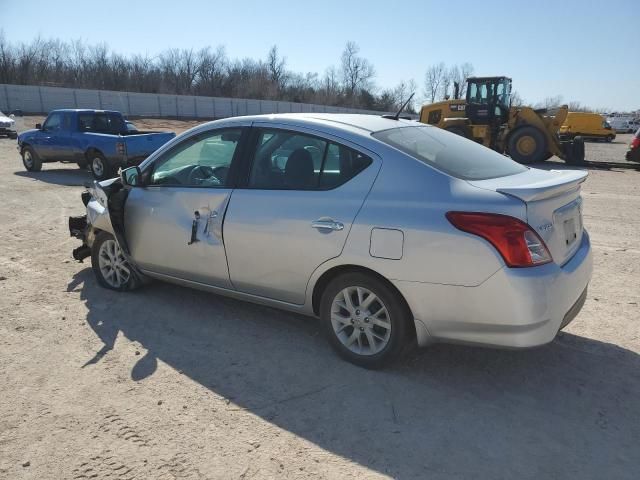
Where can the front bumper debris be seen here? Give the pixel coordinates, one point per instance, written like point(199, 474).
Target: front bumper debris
point(78, 229)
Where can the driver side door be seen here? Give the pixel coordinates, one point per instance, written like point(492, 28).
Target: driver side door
point(173, 224)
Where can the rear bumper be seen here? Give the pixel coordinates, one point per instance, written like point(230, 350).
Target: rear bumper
point(514, 308)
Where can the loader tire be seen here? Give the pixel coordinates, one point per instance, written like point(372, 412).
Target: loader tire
point(527, 145)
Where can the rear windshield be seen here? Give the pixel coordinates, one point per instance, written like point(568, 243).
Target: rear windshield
point(450, 153)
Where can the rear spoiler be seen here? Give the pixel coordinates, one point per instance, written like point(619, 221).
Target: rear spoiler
point(563, 181)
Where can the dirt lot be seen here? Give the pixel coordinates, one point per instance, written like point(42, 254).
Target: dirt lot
point(170, 383)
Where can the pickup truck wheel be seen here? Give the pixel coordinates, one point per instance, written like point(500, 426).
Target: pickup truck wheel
point(99, 166)
point(30, 160)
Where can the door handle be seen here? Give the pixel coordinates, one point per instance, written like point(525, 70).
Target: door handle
point(327, 225)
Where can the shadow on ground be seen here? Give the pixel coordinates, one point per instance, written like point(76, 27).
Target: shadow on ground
point(63, 176)
point(567, 410)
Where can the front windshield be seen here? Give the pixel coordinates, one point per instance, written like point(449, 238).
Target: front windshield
point(483, 92)
point(504, 93)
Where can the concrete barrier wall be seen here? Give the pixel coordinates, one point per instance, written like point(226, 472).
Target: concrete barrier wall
point(41, 100)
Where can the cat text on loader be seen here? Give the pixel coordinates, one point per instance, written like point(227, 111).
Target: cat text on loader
point(486, 116)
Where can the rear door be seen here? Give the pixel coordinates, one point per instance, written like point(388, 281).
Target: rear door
point(295, 210)
point(173, 225)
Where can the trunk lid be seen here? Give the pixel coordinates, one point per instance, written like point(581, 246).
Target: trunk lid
point(553, 203)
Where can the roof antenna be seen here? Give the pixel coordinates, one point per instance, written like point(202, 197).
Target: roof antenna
point(397, 115)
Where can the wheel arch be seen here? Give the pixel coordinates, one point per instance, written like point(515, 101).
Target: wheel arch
point(91, 151)
point(326, 277)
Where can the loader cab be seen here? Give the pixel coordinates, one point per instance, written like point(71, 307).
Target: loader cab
point(488, 100)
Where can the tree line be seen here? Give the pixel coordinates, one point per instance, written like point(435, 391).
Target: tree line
point(206, 71)
point(210, 71)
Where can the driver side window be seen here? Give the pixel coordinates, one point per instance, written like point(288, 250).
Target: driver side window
point(53, 123)
point(200, 161)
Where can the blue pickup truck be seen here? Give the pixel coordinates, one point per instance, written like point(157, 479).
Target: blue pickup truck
point(100, 139)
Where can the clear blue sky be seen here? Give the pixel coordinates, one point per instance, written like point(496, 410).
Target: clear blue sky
point(583, 50)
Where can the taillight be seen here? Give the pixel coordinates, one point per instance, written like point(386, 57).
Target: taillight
point(516, 241)
point(121, 148)
point(635, 143)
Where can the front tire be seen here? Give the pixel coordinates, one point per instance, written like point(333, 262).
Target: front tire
point(609, 138)
point(109, 264)
point(527, 145)
point(365, 319)
point(30, 160)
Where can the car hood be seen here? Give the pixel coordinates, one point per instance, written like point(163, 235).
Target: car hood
point(28, 132)
point(4, 118)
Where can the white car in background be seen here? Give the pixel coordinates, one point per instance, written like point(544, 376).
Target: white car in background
point(7, 126)
point(621, 124)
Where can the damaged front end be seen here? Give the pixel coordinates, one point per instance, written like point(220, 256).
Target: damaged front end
point(97, 219)
point(105, 203)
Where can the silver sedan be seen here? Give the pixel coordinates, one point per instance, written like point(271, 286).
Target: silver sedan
point(388, 230)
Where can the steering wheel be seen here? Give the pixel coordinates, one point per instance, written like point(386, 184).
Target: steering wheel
point(221, 173)
point(206, 173)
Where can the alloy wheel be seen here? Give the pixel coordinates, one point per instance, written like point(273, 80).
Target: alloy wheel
point(28, 159)
point(113, 266)
point(360, 320)
point(98, 167)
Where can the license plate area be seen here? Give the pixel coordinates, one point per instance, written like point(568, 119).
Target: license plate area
point(569, 220)
point(570, 231)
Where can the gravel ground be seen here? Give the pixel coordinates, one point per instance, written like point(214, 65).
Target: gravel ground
point(170, 383)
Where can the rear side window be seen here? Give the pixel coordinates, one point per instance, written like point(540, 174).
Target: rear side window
point(100, 123)
point(286, 160)
point(450, 153)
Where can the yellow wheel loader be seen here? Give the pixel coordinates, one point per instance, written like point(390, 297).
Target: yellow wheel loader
point(487, 117)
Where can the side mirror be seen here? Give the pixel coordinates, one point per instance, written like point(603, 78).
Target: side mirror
point(131, 176)
point(39, 126)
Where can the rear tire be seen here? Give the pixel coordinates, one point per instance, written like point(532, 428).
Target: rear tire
point(527, 145)
point(30, 160)
point(367, 331)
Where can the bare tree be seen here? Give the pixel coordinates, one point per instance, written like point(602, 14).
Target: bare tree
point(357, 71)
point(550, 102)
point(433, 81)
point(277, 72)
point(459, 75)
point(516, 99)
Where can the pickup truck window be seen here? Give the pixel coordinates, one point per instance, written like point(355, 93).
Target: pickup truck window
point(53, 123)
point(100, 123)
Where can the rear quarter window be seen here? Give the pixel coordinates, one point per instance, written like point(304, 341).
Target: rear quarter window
point(449, 153)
